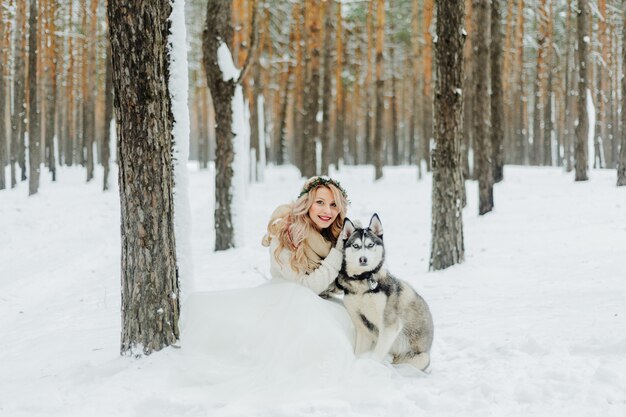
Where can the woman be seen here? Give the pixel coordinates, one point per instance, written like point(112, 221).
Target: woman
point(280, 336)
point(301, 235)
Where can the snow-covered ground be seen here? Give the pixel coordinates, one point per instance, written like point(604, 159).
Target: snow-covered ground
point(532, 324)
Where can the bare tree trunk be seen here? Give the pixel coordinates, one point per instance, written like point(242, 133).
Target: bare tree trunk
point(108, 117)
point(51, 87)
point(150, 306)
point(447, 247)
point(427, 109)
point(413, 139)
point(314, 30)
point(569, 120)
point(18, 125)
point(621, 164)
point(395, 156)
point(482, 137)
point(497, 96)
point(340, 106)
point(34, 117)
point(327, 150)
point(3, 95)
point(380, 86)
point(218, 30)
point(368, 84)
point(582, 129)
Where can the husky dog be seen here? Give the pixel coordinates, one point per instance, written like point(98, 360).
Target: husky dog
point(389, 316)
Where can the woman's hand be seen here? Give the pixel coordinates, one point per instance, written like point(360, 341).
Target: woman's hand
point(341, 240)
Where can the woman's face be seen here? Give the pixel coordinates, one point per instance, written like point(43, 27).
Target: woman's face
point(324, 210)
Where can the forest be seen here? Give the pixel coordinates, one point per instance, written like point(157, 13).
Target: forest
point(145, 144)
point(366, 67)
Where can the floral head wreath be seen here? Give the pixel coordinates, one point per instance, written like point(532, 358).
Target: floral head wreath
point(321, 181)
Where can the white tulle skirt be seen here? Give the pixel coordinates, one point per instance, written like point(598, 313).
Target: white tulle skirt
point(275, 342)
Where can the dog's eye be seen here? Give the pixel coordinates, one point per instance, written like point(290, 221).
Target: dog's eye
point(356, 246)
point(370, 246)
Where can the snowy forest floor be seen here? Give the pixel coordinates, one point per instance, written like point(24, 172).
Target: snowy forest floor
point(533, 323)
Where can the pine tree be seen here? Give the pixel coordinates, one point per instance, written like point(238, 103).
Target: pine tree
point(447, 247)
point(143, 108)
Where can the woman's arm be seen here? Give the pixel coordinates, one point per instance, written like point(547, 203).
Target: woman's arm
point(318, 280)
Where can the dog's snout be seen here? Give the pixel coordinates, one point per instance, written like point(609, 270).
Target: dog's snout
point(363, 260)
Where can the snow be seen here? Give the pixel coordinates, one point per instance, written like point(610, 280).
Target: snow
point(241, 162)
point(178, 85)
point(532, 324)
point(226, 63)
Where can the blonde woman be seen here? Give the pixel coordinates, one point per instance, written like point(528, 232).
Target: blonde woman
point(280, 336)
point(304, 237)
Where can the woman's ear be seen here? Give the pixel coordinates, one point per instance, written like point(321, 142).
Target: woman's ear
point(376, 226)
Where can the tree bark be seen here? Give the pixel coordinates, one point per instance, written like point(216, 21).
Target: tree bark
point(482, 137)
point(51, 87)
point(327, 149)
point(621, 164)
point(380, 86)
point(447, 247)
point(427, 106)
point(18, 125)
point(108, 117)
point(582, 129)
point(150, 304)
point(314, 12)
point(217, 29)
point(497, 94)
point(340, 103)
point(367, 140)
point(3, 95)
point(34, 117)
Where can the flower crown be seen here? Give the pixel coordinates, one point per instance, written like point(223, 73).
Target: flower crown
point(321, 181)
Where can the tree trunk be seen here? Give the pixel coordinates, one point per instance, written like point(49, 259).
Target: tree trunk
point(582, 129)
point(415, 45)
point(395, 156)
point(18, 125)
point(521, 141)
point(314, 13)
point(218, 28)
point(380, 86)
point(427, 109)
point(482, 137)
point(3, 95)
point(51, 87)
point(497, 94)
point(447, 247)
point(569, 120)
point(71, 148)
point(368, 84)
point(108, 117)
point(327, 149)
point(621, 163)
point(34, 117)
point(340, 105)
point(150, 302)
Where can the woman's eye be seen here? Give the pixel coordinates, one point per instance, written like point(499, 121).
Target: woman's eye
point(333, 205)
point(320, 202)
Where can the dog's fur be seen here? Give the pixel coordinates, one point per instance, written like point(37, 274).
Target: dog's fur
point(389, 316)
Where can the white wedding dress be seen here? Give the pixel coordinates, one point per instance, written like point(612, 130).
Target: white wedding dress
point(278, 342)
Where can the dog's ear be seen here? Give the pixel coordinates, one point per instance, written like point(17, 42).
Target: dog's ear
point(348, 228)
point(376, 226)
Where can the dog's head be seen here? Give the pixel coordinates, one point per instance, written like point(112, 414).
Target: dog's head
point(363, 249)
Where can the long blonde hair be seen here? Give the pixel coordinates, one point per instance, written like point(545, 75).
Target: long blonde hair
point(291, 224)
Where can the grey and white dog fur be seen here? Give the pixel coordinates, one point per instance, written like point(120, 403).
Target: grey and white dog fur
point(388, 314)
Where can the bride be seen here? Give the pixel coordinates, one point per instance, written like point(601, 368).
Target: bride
point(281, 337)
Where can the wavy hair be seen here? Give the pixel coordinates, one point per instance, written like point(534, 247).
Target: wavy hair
point(291, 225)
